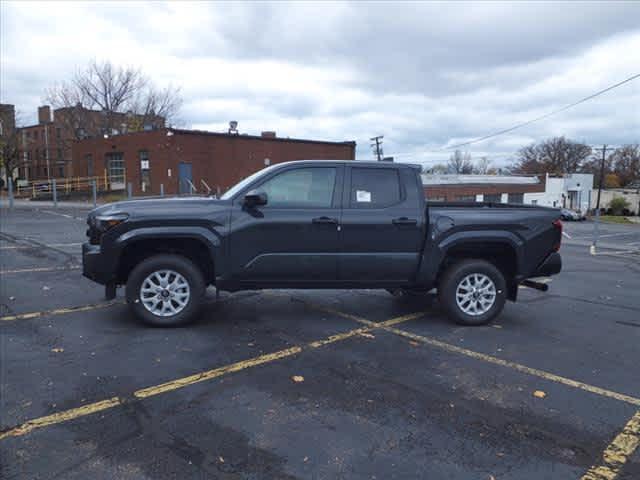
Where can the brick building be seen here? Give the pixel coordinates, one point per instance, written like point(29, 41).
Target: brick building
point(488, 188)
point(46, 147)
point(182, 160)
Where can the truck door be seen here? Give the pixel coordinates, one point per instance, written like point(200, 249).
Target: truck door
point(293, 239)
point(382, 226)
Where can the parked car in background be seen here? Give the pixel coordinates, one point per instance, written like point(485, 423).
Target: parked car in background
point(570, 215)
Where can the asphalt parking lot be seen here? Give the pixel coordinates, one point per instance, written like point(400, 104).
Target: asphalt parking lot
point(316, 384)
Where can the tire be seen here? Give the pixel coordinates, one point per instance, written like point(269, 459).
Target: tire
point(175, 305)
point(464, 276)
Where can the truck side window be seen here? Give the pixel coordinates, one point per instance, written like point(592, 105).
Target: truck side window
point(303, 187)
point(374, 187)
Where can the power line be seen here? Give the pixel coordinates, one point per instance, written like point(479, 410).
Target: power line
point(529, 122)
point(547, 115)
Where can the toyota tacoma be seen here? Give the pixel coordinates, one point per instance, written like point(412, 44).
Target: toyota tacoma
point(321, 224)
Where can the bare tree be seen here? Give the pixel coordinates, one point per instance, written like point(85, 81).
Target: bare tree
point(626, 164)
point(460, 163)
point(556, 155)
point(114, 91)
point(483, 166)
point(10, 158)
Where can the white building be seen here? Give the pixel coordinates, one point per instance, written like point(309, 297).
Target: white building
point(572, 191)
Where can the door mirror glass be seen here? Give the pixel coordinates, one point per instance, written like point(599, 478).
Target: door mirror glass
point(254, 198)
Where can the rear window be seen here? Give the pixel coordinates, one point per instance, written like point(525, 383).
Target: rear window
point(374, 187)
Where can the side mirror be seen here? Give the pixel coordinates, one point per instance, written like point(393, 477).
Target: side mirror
point(255, 198)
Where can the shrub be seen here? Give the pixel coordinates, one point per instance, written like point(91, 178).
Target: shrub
point(618, 205)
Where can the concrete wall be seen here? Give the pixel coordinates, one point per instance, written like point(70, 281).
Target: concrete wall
point(632, 196)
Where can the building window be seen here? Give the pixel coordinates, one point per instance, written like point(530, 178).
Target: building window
point(89, 159)
point(516, 198)
point(61, 171)
point(58, 132)
point(465, 198)
point(35, 135)
point(374, 187)
point(493, 197)
point(59, 154)
point(145, 170)
point(534, 202)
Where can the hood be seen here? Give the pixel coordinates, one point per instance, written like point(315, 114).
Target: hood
point(163, 207)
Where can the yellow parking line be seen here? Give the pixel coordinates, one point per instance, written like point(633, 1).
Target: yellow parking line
point(617, 453)
point(85, 410)
point(489, 359)
point(58, 311)
point(39, 269)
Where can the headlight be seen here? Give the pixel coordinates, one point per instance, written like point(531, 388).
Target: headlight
point(105, 222)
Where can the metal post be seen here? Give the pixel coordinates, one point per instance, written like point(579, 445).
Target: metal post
point(10, 186)
point(95, 193)
point(55, 192)
point(162, 189)
point(596, 232)
point(129, 189)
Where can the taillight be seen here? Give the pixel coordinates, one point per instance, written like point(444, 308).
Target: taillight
point(557, 224)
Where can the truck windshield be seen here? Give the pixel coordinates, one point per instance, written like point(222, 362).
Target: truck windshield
point(243, 183)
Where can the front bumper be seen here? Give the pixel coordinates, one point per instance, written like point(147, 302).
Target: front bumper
point(96, 266)
point(550, 266)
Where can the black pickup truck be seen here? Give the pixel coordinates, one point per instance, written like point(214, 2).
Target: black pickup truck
point(320, 224)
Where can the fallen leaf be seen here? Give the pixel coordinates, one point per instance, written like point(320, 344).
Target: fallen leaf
point(491, 477)
point(497, 326)
point(539, 394)
point(297, 378)
point(12, 298)
point(305, 459)
point(221, 459)
point(57, 350)
point(46, 288)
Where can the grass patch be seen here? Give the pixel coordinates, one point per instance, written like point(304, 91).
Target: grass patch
point(614, 219)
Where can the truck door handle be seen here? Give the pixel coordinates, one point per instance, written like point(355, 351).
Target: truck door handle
point(325, 220)
point(404, 221)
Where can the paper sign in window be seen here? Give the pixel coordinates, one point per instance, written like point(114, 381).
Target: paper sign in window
point(363, 196)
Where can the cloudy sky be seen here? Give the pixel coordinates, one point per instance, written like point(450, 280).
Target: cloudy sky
point(424, 75)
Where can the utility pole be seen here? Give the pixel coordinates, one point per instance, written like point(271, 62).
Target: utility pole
point(378, 146)
point(604, 157)
point(596, 224)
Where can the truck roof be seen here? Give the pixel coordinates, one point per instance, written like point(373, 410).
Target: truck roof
point(359, 163)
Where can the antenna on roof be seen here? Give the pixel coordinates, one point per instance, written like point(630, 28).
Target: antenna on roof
point(233, 127)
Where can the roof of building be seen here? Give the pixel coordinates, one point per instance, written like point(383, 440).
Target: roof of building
point(460, 179)
point(179, 131)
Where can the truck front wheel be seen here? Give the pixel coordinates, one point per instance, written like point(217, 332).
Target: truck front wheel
point(472, 292)
point(165, 290)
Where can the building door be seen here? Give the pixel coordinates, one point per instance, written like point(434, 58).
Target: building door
point(115, 169)
point(185, 178)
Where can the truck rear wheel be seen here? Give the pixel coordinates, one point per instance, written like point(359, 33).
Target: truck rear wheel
point(472, 292)
point(165, 290)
